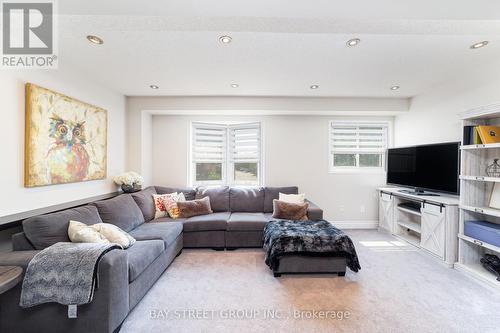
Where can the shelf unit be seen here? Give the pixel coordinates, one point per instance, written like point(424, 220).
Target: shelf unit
point(425, 221)
point(475, 193)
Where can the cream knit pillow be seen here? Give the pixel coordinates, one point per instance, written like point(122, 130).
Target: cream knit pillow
point(99, 233)
point(293, 198)
point(79, 232)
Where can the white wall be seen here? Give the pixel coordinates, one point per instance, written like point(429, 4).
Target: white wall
point(295, 153)
point(139, 110)
point(14, 197)
point(434, 116)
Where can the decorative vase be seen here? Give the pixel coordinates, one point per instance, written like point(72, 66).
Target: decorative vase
point(493, 170)
point(131, 188)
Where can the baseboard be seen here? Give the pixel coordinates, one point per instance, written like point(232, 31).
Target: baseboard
point(356, 224)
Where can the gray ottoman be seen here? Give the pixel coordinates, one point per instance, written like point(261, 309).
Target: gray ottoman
point(294, 247)
point(303, 263)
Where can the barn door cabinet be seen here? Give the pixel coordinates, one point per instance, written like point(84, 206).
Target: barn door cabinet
point(429, 222)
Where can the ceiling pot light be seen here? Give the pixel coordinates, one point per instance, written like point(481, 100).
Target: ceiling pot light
point(353, 42)
point(234, 85)
point(95, 40)
point(479, 44)
point(153, 86)
point(225, 39)
point(314, 86)
point(394, 87)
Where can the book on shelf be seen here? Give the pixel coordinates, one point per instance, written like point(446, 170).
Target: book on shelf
point(489, 134)
point(476, 135)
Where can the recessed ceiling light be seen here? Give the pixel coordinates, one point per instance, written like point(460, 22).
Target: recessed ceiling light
point(225, 39)
point(234, 85)
point(95, 39)
point(353, 42)
point(153, 86)
point(314, 86)
point(479, 44)
point(394, 87)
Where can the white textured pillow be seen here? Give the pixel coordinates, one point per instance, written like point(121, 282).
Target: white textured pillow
point(114, 234)
point(99, 233)
point(79, 232)
point(292, 198)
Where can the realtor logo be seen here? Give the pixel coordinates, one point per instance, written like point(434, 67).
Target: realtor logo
point(28, 35)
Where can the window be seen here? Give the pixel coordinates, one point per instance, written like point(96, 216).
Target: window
point(224, 154)
point(358, 145)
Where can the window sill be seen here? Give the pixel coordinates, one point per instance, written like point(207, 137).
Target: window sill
point(357, 171)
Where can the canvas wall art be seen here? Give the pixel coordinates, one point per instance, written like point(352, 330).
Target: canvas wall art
point(66, 140)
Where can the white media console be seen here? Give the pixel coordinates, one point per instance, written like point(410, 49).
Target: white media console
point(426, 221)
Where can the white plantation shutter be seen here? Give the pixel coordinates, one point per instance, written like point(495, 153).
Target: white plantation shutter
point(244, 144)
point(358, 138)
point(209, 143)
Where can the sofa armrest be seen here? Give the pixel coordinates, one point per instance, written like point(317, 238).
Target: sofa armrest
point(105, 313)
point(314, 213)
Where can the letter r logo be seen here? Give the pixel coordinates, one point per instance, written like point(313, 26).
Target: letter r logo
point(27, 28)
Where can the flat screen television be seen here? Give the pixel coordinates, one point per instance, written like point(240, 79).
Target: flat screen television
point(432, 167)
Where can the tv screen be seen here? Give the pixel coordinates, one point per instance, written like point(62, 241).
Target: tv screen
point(427, 167)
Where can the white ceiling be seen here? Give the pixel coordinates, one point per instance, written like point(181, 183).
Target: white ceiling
point(279, 47)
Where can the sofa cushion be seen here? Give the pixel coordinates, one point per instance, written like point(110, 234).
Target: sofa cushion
point(271, 193)
point(189, 192)
point(45, 230)
point(210, 222)
point(144, 199)
point(246, 199)
point(167, 231)
point(219, 197)
point(248, 221)
point(141, 255)
point(121, 211)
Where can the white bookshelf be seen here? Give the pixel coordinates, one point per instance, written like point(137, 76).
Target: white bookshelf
point(475, 192)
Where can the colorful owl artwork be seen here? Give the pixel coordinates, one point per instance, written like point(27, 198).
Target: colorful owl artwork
point(66, 140)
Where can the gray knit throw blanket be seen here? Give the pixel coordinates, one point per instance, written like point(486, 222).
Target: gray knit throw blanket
point(64, 273)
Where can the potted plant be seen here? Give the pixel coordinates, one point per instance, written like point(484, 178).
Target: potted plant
point(129, 181)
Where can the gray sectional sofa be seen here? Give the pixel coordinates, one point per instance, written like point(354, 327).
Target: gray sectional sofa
point(125, 276)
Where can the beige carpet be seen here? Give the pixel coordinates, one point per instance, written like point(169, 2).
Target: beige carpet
point(399, 289)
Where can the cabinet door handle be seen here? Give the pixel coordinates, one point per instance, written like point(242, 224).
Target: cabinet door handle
point(478, 210)
point(480, 178)
point(478, 242)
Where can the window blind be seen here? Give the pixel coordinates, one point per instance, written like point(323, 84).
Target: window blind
point(244, 143)
point(358, 138)
point(209, 143)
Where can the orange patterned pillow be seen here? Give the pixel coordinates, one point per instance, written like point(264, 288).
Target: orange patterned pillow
point(160, 209)
point(170, 202)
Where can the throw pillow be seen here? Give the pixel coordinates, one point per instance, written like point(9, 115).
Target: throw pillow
point(170, 201)
point(79, 232)
point(99, 233)
point(160, 209)
point(114, 234)
point(292, 198)
point(289, 211)
point(194, 207)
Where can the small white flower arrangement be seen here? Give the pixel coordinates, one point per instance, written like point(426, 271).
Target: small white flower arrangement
point(129, 181)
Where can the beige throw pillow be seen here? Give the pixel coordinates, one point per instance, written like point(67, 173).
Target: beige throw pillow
point(99, 233)
point(81, 233)
point(114, 234)
point(292, 198)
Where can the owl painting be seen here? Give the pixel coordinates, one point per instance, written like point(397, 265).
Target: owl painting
point(65, 139)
